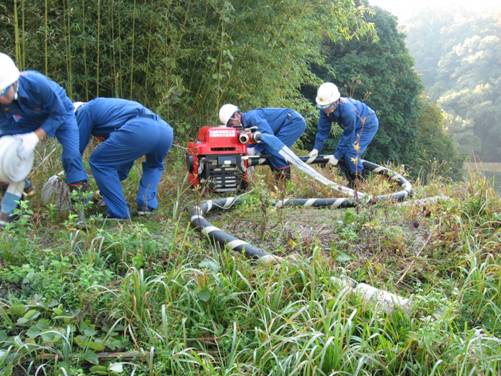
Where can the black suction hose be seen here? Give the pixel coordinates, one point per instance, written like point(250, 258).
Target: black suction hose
point(198, 220)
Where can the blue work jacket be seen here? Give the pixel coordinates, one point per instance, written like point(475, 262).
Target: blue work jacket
point(268, 120)
point(39, 103)
point(272, 121)
point(102, 116)
point(351, 115)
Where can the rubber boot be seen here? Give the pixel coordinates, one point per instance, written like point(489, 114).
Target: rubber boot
point(347, 173)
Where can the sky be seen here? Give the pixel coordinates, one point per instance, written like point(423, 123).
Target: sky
point(404, 9)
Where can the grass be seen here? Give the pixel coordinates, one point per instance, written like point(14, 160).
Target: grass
point(483, 166)
point(152, 297)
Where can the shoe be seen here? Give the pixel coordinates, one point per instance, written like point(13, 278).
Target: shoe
point(145, 211)
point(98, 199)
point(281, 177)
point(80, 186)
point(108, 217)
point(28, 188)
point(281, 174)
point(5, 219)
point(81, 196)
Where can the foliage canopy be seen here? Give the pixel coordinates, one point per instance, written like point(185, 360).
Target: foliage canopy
point(458, 55)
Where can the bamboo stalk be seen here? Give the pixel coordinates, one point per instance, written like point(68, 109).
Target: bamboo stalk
point(16, 35)
point(23, 37)
point(131, 74)
point(98, 44)
point(67, 38)
point(84, 41)
point(46, 37)
point(121, 75)
point(70, 54)
point(148, 57)
point(220, 64)
point(113, 52)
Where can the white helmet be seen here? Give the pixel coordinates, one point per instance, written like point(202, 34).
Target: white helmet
point(76, 105)
point(327, 94)
point(8, 72)
point(226, 112)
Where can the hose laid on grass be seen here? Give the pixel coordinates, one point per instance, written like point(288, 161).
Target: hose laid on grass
point(384, 300)
point(223, 238)
point(219, 236)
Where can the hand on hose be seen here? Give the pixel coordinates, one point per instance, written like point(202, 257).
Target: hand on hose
point(28, 144)
point(332, 161)
point(312, 156)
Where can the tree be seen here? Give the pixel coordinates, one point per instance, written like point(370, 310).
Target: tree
point(380, 72)
point(433, 143)
point(459, 62)
point(184, 58)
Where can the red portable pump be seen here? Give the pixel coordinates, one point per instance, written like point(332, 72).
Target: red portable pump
point(217, 159)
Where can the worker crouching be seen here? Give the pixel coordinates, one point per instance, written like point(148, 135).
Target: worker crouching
point(33, 107)
point(130, 131)
point(359, 123)
point(278, 127)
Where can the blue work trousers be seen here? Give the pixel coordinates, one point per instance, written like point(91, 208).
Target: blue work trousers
point(292, 129)
point(112, 160)
point(68, 136)
point(364, 136)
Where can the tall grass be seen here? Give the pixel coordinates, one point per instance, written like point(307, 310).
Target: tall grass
point(154, 296)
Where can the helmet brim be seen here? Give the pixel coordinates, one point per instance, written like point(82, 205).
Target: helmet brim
point(324, 106)
point(5, 90)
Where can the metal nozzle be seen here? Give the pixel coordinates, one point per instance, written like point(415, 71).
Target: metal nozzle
point(244, 137)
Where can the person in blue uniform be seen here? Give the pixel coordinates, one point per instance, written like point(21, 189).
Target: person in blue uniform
point(130, 131)
point(359, 123)
point(35, 107)
point(279, 126)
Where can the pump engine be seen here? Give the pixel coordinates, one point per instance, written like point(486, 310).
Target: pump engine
point(218, 159)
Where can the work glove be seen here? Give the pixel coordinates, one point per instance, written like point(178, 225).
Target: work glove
point(312, 156)
point(28, 144)
point(332, 161)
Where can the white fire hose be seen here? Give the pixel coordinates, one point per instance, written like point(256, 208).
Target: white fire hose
point(12, 168)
